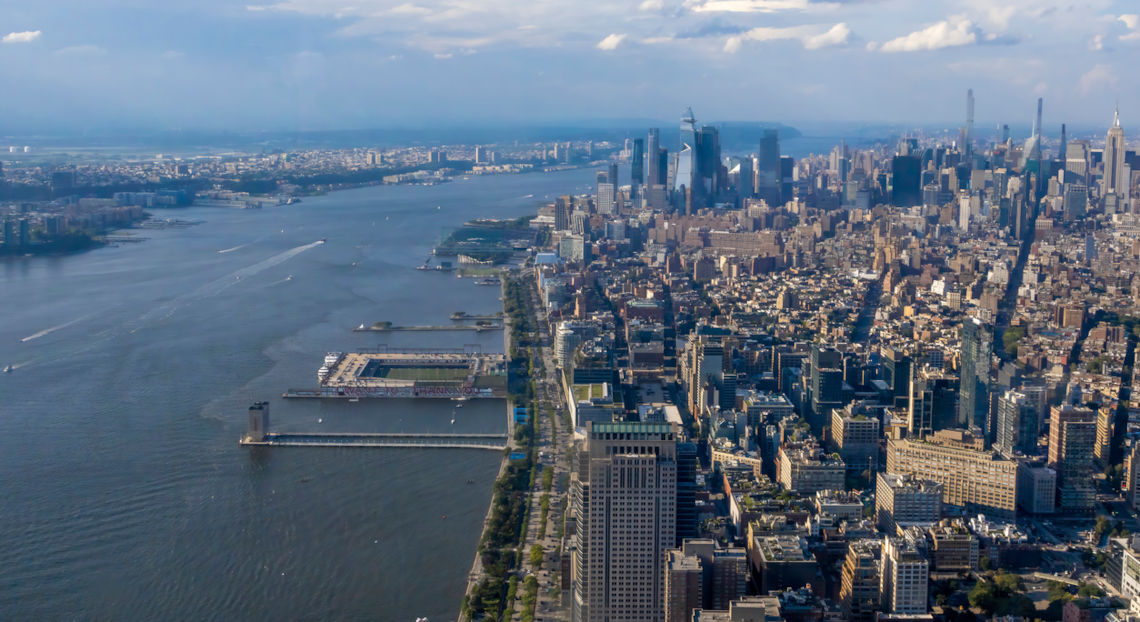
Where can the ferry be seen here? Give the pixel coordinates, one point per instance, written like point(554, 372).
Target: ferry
point(8, 369)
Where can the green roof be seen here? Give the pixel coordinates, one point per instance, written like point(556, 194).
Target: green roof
point(630, 427)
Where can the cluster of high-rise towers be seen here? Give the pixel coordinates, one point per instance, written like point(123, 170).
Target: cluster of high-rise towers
point(695, 176)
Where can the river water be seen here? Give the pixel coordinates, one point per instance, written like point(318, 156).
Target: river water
point(124, 492)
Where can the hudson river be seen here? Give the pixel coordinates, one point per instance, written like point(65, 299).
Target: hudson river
point(125, 495)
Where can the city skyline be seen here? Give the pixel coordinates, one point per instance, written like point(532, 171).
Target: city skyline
point(314, 64)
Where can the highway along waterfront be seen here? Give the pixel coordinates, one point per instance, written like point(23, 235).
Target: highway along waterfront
point(126, 493)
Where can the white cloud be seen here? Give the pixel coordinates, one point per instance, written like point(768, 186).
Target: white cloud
point(808, 36)
point(651, 5)
point(952, 32)
point(839, 34)
point(610, 42)
point(409, 9)
point(1099, 76)
point(26, 36)
point(755, 6)
point(1130, 21)
point(1096, 44)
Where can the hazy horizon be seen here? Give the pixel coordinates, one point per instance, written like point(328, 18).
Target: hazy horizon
point(301, 65)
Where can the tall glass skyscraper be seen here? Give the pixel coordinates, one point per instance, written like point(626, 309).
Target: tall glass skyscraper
point(974, 394)
point(687, 154)
point(768, 175)
point(653, 176)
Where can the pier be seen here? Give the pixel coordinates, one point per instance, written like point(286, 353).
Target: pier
point(460, 316)
point(258, 435)
point(493, 442)
point(389, 329)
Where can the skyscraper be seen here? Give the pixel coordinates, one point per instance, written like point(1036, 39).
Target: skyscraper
point(686, 165)
point(933, 402)
point(562, 206)
point(1114, 181)
point(636, 170)
point(906, 181)
point(974, 393)
point(896, 373)
point(606, 193)
point(653, 172)
point(707, 175)
point(1017, 423)
point(768, 177)
point(625, 496)
point(1072, 438)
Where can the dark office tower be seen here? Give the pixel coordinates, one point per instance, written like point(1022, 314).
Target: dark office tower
point(826, 388)
point(933, 402)
point(686, 492)
point(768, 173)
point(653, 166)
point(906, 176)
point(625, 507)
point(974, 400)
point(968, 148)
point(637, 162)
point(787, 172)
point(1004, 133)
point(708, 175)
point(636, 169)
point(745, 176)
point(562, 213)
point(896, 373)
point(1063, 147)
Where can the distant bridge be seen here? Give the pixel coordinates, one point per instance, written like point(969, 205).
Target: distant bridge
point(493, 442)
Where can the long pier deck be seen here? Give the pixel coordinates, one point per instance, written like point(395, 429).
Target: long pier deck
point(493, 442)
point(396, 329)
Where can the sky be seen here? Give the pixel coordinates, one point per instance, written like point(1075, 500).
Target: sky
point(97, 65)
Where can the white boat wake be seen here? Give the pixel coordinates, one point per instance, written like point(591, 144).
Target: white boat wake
point(48, 331)
point(230, 250)
point(217, 286)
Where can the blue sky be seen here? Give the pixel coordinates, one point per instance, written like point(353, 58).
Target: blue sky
point(331, 64)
